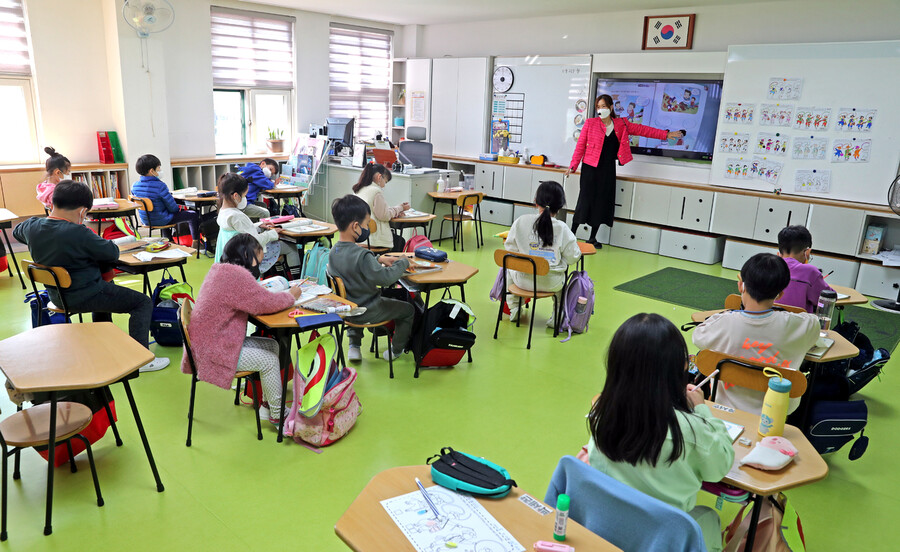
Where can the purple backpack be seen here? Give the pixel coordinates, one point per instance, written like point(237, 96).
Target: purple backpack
point(578, 284)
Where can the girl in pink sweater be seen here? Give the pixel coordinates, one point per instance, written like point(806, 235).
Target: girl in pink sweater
point(218, 328)
point(58, 168)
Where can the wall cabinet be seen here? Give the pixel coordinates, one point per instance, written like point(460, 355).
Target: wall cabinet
point(774, 214)
point(517, 184)
point(835, 229)
point(459, 104)
point(690, 209)
point(489, 179)
point(734, 215)
point(651, 203)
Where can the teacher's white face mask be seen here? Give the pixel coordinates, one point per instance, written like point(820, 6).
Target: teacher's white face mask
point(603, 112)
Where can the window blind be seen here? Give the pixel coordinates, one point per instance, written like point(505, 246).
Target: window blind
point(15, 57)
point(360, 77)
point(252, 49)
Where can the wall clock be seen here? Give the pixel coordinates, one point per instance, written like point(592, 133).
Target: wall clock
point(668, 32)
point(503, 79)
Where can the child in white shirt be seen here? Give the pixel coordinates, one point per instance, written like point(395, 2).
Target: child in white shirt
point(542, 235)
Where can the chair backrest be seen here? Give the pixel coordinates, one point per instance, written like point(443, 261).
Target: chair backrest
point(520, 262)
point(55, 276)
point(733, 302)
point(373, 226)
point(745, 373)
point(464, 200)
point(416, 133)
point(626, 517)
point(184, 320)
point(337, 284)
point(144, 204)
point(417, 153)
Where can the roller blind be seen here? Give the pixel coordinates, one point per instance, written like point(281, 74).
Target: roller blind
point(252, 49)
point(360, 77)
point(15, 57)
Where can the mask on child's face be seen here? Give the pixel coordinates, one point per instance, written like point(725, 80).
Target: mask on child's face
point(268, 172)
point(363, 235)
point(242, 204)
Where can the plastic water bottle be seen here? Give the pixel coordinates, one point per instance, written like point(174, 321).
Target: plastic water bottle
point(825, 310)
point(562, 517)
point(774, 409)
point(441, 185)
point(581, 305)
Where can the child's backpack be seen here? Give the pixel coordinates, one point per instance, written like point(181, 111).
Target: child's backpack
point(120, 228)
point(498, 293)
point(578, 285)
point(445, 334)
point(164, 319)
point(290, 210)
point(415, 242)
point(316, 262)
point(469, 474)
point(40, 316)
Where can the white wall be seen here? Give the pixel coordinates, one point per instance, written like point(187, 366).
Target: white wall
point(717, 27)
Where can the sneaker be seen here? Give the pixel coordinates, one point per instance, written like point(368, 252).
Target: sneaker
point(157, 363)
point(354, 354)
point(513, 314)
point(274, 420)
point(264, 412)
point(393, 355)
point(551, 323)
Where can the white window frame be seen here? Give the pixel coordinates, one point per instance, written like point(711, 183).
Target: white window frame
point(26, 84)
point(256, 137)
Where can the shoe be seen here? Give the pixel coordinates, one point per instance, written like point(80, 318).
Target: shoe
point(551, 323)
point(513, 314)
point(264, 411)
point(354, 354)
point(157, 363)
point(596, 244)
point(393, 355)
point(274, 420)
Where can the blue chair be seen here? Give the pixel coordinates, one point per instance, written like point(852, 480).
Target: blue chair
point(620, 514)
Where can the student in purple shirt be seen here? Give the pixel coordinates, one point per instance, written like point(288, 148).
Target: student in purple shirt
point(795, 247)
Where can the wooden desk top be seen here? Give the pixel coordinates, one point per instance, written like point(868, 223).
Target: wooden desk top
point(807, 467)
point(127, 257)
point(329, 230)
point(196, 199)
point(451, 273)
point(61, 357)
point(125, 206)
point(856, 298)
point(413, 220)
point(366, 525)
point(297, 191)
point(7, 216)
point(587, 249)
point(282, 320)
point(447, 196)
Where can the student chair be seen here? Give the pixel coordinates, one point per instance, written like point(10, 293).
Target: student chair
point(745, 373)
point(373, 227)
point(527, 264)
point(733, 302)
point(415, 150)
point(55, 276)
point(184, 320)
point(378, 329)
point(462, 202)
point(31, 428)
point(146, 205)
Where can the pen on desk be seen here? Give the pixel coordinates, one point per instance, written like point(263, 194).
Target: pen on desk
point(827, 275)
point(709, 377)
point(427, 498)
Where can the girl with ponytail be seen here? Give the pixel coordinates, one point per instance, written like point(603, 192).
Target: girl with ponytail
point(58, 168)
point(372, 181)
point(543, 235)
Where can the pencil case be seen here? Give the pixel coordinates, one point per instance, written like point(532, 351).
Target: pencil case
point(431, 254)
point(278, 220)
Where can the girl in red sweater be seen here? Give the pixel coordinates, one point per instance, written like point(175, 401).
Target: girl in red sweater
point(229, 295)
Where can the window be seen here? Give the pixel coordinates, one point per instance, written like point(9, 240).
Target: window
point(360, 77)
point(253, 78)
point(18, 141)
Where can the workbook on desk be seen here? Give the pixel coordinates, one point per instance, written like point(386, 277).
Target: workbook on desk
point(412, 213)
point(301, 226)
point(734, 430)
point(821, 347)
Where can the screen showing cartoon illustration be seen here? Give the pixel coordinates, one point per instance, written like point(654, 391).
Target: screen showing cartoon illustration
point(672, 105)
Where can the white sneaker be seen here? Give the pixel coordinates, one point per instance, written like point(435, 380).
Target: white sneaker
point(354, 354)
point(393, 355)
point(551, 323)
point(513, 314)
point(157, 363)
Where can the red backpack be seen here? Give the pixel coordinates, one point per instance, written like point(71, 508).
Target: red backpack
point(415, 242)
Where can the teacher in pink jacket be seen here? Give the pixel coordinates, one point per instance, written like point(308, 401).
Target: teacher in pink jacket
point(604, 139)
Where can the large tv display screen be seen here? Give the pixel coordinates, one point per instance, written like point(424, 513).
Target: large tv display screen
point(669, 104)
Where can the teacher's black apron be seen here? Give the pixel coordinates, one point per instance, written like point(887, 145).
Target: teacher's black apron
point(597, 195)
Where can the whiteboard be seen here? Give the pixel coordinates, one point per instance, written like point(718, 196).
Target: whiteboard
point(550, 116)
point(864, 76)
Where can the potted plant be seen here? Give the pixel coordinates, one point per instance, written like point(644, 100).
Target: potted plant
point(275, 142)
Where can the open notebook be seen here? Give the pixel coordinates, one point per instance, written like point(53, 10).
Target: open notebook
point(734, 430)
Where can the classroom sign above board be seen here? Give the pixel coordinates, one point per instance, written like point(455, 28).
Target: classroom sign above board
point(810, 119)
point(545, 106)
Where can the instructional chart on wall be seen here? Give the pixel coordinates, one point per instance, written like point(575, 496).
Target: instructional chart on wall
point(463, 525)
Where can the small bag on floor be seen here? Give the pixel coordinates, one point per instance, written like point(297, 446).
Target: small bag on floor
point(469, 474)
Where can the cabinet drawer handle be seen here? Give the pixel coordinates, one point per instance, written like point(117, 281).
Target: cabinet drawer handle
point(684, 247)
point(767, 230)
point(896, 285)
point(632, 236)
point(771, 210)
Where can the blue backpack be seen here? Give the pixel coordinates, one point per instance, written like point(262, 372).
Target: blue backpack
point(578, 284)
point(40, 316)
point(316, 262)
point(164, 319)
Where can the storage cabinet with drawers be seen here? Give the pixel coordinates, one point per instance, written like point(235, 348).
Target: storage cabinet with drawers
point(651, 203)
point(774, 214)
point(690, 209)
point(517, 184)
point(639, 237)
point(734, 215)
point(489, 179)
point(699, 248)
point(497, 212)
point(878, 280)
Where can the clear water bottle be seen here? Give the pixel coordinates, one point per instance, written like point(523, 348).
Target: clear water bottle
point(825, 310)
point(581, 305)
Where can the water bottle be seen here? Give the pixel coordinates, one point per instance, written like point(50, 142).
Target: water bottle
point(581, 305)
point(441, 186)
point(775, 405)
point(825, 310)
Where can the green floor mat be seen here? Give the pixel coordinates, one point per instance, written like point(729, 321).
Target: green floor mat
point(704, 292)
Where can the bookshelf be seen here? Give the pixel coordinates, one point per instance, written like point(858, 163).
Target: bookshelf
point(398, 104)
point(18, 183)
point(204, 173)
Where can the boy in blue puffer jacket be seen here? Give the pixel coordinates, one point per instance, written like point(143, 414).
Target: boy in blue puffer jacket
point(260, 177)
point(165, 210)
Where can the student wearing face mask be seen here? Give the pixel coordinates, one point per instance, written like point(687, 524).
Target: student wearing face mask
point(363, 273)
point(371, 183)
point(58, 168)
point(218, 328)
point(603, 140)
point(260, 177)
point(232, 190)
point(61, 239)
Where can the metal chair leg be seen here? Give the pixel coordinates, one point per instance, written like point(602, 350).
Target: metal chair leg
point(5, 461)
point(499, 316)
point(531, 326)
point(72, 465)
point(256, 400)
point(187, 443)
point(237, 391)
point(519, 317)
point(112, 422)
point(390, 341)
point(90, 453)
point(137, 419)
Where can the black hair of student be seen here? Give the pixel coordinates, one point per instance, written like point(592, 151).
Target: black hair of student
point(228, 184)
point(551, 197)
point(368, 176)
point(349, 209)
point(241, 250)
point(645, 387)
point(146, 163)
point(272, 164)
point(609, 103)
point(794, 239)
point(765, 276)
point(55, 161)
point(71, 194)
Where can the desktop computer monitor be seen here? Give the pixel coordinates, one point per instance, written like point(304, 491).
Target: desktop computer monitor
point(340, 129)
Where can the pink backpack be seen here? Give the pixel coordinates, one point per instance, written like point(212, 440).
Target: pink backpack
point(415, 242)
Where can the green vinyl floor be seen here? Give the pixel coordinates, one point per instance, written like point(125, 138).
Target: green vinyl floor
point(522, 409)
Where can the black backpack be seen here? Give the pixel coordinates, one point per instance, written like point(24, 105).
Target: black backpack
point(164, 319)
point(443, 337)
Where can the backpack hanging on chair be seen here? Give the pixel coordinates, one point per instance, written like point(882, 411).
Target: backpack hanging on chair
point(316, 262)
